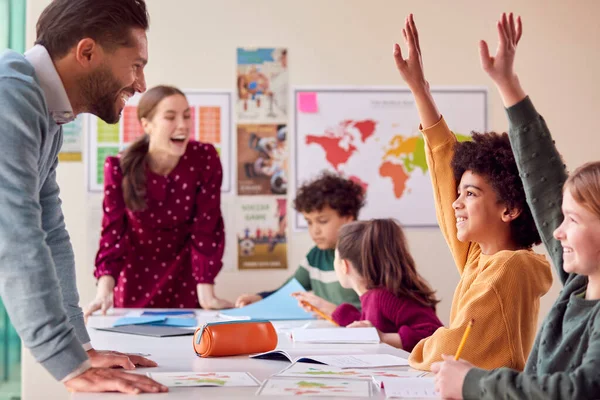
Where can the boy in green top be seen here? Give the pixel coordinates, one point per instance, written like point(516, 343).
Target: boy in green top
point(327, 203)
point(565, 358)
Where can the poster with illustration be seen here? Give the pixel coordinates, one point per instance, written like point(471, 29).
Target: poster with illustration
point(261, 232)
point(262, 85)
point(315, 387)
point(262, 161)
point(72, 147)
point(218, 379)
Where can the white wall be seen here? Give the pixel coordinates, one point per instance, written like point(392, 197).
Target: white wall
point(349, 42)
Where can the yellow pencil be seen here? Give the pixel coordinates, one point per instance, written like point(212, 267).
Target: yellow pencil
point(319, 312)
point(464, 340)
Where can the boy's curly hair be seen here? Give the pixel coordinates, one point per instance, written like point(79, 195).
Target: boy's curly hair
point(329, 189)
point(490, 156)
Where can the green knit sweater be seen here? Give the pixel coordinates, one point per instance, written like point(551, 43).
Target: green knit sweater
point(315, 273)
point(565, 360)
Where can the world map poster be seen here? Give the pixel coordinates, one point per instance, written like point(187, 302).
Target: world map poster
point(372, 137)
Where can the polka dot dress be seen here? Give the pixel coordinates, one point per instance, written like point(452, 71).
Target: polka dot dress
point(157, 256)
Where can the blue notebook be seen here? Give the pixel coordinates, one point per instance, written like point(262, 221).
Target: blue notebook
point(157, 321)
point(279, 306)
point(167, 313)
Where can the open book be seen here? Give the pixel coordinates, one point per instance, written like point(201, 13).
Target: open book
point(340, 358)
point(336, 335)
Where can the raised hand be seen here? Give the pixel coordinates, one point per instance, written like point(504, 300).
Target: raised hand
point(500, 67)
point(411, 68)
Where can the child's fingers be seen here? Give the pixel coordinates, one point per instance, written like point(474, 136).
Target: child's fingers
point(519, 30)
point(484, 55)
point(415, 32)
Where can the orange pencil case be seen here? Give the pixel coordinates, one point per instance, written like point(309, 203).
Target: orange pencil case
point(231, 338)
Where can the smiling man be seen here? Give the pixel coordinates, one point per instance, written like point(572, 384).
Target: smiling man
point(89, 57)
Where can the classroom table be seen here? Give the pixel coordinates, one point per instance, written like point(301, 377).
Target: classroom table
point(175, 354)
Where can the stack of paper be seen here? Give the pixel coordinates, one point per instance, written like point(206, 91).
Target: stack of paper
point(336, 335)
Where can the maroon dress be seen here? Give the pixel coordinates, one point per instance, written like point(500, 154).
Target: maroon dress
point(157, 256)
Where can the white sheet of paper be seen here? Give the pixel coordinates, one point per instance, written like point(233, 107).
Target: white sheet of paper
point(219, 379)
point(410, 388)
point(315, 387)
point(305, 370)
point(336, 335)
point(360, 361)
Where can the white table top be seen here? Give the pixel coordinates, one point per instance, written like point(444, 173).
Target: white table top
point(176, 354)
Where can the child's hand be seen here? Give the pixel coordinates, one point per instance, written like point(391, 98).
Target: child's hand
point(411, 68)
point(501, 67)
point(322, 304)
point(360, 324)
point(247, 299)
point(450, 376)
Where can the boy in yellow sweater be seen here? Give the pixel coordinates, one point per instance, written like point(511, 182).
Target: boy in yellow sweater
point(481, 210)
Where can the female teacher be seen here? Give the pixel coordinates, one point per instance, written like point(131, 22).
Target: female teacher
point(162, 231)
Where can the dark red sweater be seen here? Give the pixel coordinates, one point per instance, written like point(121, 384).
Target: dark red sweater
point(411, 320)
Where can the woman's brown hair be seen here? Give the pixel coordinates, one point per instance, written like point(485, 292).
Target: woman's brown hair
point(133, 159)
point(377, 249)
point(584, 186)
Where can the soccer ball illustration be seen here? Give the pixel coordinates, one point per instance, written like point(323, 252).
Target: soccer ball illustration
point(247, 247)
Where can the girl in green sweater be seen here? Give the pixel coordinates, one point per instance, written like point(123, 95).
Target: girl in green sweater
point(565, 360)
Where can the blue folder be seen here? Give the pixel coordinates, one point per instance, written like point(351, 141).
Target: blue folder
point(157, 321)
point(279, 306)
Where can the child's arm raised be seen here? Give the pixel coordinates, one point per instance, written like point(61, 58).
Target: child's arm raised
point(439, 140)
point(540, 166)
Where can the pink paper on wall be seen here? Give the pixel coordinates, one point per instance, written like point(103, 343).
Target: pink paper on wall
point(307, 102)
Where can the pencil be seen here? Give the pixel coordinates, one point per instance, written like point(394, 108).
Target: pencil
point(318, 312)
point(464, 340)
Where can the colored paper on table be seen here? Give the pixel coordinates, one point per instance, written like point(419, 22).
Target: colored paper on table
point(336, 335)
point(210, 379)
point(315, 387)
point(307, 102)
point(169, 313)
point(277, 307)
point(138, 321)
point(304, 370)
point(157, 321)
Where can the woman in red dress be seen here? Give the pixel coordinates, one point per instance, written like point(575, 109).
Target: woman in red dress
point(162, 232)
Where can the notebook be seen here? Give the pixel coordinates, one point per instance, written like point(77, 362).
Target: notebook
point(150, 330)
point(341, 358)
point(336, 335)
point(157, 321)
